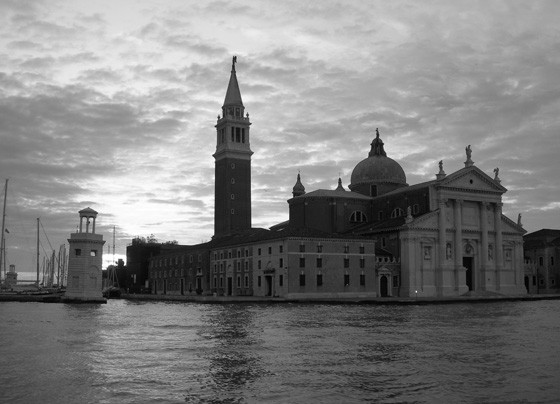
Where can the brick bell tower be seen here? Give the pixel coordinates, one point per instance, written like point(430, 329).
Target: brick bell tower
point(232, 203)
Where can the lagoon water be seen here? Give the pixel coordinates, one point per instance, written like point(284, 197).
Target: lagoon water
point(156, 352)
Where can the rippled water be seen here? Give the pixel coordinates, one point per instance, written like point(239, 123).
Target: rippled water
point(136, 352)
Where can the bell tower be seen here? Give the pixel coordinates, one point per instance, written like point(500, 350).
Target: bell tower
point(232, 193)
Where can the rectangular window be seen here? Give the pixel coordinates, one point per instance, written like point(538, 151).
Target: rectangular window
point(259, 264)
point(380, 215)
point(242, 135)
point(346, 279)
point(269, 250)
point(233, 134)
point(259, 251)
point(551, 261)
point(238, 135)
point(319, 262)
point(246, 253)
point(215, 282)
point(346, 249)
point(238, 281)
point(78, 251)
point(302, 280)
point(302, 248)
point(362, 279)
point(362, 263)
point(362, 249)
point(93, 253)
point(281, 248)
point(319, 279)
point(302, 262)
point(259, 281)
point(534, 281)
point(246, 281)
point(281, 263)
point(541, 261)
point(319, 248)
point(246, 265)
point(281, 280)
point(396, 281)
point(346, 262)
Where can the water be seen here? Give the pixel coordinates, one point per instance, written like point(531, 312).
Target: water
point(156, 352)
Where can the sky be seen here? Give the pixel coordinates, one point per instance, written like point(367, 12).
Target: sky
point(112, 105)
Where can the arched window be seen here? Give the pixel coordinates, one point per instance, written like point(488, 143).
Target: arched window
point(397, 212)
point(358, 217)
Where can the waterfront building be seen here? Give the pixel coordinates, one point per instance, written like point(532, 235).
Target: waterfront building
point(441, 238)
point(542, 252)
point(181, 271)
point(85, 261)
point(448, 234)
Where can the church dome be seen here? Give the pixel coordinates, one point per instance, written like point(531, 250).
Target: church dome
point(377, 169)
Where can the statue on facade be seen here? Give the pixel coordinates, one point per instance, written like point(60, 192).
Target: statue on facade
point(448, 254)
point(468, 151)
point(496, 173)
point(519, 220)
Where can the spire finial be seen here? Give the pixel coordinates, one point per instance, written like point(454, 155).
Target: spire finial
point(298, 189)
point(377, 133)
point(339, 187)
point(233, 62)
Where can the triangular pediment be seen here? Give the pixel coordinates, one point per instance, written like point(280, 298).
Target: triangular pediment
point(471, 179)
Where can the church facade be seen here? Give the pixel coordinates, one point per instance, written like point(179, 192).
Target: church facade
point(448, 235)
point(382, 237)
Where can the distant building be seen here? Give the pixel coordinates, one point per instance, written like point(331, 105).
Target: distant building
point(182, 271)
point(138, 255)
point(382, 237)
point(542, 255)
point(11, 277)
point(85, 261)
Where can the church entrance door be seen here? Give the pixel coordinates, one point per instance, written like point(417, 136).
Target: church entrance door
point(469, 278)
point(383, 286)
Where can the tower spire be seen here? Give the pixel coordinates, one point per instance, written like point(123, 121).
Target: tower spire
point(233, 95)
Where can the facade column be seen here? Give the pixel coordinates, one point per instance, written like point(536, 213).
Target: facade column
point(441, 247)
point(499, 242)
point(484, 243)
point(458, 240)
point(93, 226)
point(81, 223)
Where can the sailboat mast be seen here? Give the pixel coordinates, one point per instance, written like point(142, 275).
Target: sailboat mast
point(37, 252)
point(2, 246)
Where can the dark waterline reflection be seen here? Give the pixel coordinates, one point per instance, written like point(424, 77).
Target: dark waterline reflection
point(130, 352)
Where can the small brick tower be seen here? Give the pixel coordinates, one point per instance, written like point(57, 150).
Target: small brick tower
point(85, 262)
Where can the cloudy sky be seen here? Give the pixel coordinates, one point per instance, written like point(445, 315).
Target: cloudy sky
point(112, 105)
